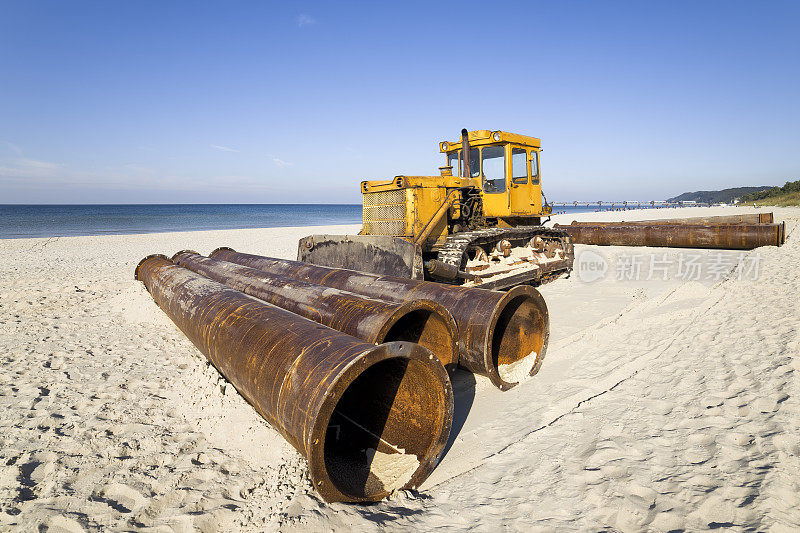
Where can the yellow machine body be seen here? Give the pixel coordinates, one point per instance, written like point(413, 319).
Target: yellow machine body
point(477, 223)
point(504, 170)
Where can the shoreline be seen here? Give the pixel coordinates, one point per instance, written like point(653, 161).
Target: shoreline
point(661, 404)
point(195, 231)
point(90, 220)
point(104, 233)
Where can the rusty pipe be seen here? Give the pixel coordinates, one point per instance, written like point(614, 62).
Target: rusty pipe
point(495, 329)
point(330, 395)
point(749, 218)
point(425, 322)
point(731, 237)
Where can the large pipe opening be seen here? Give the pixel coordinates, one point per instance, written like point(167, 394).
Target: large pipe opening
point(430, 329)
point(519, 338)
point(386, 422)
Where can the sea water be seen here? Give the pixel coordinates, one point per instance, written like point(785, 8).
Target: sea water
point(19, 221)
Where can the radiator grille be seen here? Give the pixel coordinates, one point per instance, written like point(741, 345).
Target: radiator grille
point(384, 212)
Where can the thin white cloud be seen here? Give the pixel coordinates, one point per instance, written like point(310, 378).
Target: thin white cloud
point(223, 148)
point(37, 165)
point(305, 20)
point(139, 169)
point(32, 176)
point(14, 148)
point(23, 168)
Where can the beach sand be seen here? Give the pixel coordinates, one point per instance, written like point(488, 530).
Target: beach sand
point(662, 404)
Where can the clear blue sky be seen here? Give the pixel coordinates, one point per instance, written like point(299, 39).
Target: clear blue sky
point(282, 102)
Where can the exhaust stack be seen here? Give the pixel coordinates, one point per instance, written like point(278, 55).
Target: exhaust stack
point(465, 153)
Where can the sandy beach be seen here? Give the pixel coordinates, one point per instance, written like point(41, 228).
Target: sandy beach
point(669, 400)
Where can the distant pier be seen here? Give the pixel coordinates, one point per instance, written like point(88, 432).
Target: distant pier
point(627, 204)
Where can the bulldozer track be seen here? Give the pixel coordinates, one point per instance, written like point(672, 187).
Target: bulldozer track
point(453, 250)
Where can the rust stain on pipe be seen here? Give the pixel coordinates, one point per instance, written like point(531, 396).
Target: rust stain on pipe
point(750, 218)
point(730, 237)
point(330, 395)
point(425, 322)
point(494, 328)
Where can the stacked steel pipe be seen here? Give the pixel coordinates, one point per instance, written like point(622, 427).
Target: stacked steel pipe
point(750, 218)
point(349, 367)
point(424, 322)
point(369, 419)
point(733, 232)
point(496, 330)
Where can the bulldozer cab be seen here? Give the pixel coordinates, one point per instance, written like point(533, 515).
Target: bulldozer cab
point(505, 167)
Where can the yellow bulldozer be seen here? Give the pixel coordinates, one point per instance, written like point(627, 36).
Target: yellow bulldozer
point(478, 223)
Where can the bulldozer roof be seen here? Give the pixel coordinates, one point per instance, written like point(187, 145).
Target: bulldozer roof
point(483, 137)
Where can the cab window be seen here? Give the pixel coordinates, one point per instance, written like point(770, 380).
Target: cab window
point(534, 167)
point(454, 161)
point(494, 169)
point(519, 166)
point(474, 162)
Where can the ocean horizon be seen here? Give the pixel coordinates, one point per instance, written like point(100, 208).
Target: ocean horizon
point(19, 221)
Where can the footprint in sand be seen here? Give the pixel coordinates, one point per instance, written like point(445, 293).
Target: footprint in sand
point(768, 404)
point(61, 524)
point(121, 497)
point(602, 457)
point(660, 407)
point(716, 512)
point(666, 522)
point(789, 444)
point(701, 448)
point(739, 439)
point(641, 496)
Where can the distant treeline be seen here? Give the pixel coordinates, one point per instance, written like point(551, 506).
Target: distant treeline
point(725, 196)
point(774, 192)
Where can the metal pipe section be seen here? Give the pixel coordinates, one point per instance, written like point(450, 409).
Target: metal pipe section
point(497, 331)
point(369, 419)
point(424, 322)
point(750, 218)
point(730, 237)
